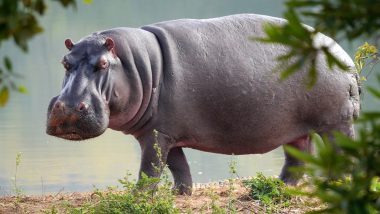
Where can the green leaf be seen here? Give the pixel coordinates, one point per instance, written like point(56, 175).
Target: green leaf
point(274, 34)
point(87, 1)
point(346, 142)
point(292, 17)
point(287, 56)
point(40, 6)
point(375, 186)
point(22, 89)
point(313, 74)
point(302, 3)
point(332, 60)
point(295, 26)
point(364, 54)
point(318, 141)
point(308, 158)
point(66, 3)
point(4, 96)
point(374, 92)
point(371, 115)
point(8, 63)
point(291, 69)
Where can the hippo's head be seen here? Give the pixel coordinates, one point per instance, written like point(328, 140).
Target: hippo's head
point(82, 110)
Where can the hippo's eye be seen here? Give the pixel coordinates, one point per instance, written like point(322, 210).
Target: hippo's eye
point(103, 63)
point(66, 65)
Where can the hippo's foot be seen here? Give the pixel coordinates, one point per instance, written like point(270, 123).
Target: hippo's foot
point(182, 189)
point(290, 178)
point(179, 167)
point(287, 175)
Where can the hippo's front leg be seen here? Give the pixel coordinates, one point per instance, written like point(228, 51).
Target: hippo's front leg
point(154, 158)
point(179, 167)
point(155, 148)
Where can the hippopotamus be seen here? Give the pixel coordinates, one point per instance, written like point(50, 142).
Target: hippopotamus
point(200, 84)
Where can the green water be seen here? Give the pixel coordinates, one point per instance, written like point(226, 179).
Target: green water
point(51, 165)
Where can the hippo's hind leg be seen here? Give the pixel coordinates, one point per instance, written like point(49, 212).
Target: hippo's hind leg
point(346, 128)
point(179, 167)
point(303, 144)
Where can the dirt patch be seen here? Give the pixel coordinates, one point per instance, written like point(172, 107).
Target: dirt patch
point(205, 199)
point(38, 204)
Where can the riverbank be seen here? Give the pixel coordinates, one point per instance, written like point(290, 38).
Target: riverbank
point(208, 198)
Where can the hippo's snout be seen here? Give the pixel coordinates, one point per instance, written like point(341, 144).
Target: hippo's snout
point(60, 107)
point(73, 121)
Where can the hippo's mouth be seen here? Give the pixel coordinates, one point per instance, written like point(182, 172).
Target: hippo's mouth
point(74, 136)
point(71, 136)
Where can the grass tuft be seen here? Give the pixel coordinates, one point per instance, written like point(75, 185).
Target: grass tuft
point(271, 192)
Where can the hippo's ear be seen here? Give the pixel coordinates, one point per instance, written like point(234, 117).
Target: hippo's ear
point(69, 44)
point(109, 43)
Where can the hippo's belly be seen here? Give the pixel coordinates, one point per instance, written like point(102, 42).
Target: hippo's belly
point(239, 125)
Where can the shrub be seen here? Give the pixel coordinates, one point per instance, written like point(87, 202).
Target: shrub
point(271, 192)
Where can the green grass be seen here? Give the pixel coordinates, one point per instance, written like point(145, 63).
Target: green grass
point(134, 198)
point(145, 196)
point(264, 195)
point(16, 189)
point(271, 192)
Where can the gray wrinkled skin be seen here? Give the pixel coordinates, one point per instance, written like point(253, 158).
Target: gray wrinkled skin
point(201, 84)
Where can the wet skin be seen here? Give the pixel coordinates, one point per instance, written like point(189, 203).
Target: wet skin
point(199, 84)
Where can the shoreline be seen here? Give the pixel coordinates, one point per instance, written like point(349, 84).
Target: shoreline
point(204, 199)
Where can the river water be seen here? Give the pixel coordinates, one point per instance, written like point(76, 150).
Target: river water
point(50, 164)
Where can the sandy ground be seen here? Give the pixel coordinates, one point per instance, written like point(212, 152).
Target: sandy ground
point(201, 201)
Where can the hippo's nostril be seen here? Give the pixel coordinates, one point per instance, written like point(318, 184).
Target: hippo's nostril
point(59, 105)
point(82, 106)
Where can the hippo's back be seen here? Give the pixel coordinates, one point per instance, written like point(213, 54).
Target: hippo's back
point(219, 87)
point(213, 41)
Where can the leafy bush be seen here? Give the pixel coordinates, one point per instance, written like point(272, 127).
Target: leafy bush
point(346, 180)
point(19, 22)
point(345, 173)
point(270, 191)
point(336, 18)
